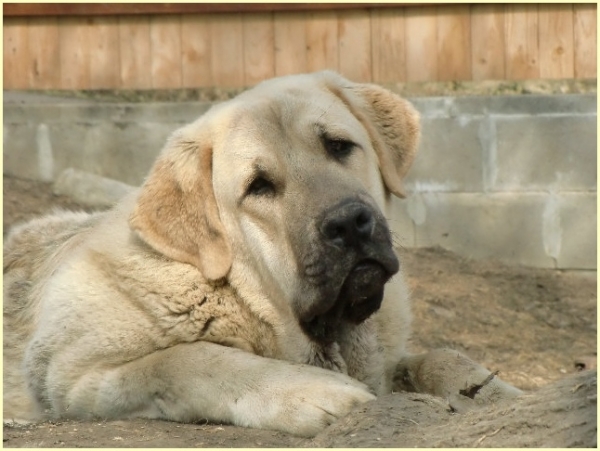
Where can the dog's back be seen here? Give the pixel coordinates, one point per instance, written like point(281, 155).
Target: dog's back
point(31, 251)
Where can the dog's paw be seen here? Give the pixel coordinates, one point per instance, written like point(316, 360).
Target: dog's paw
point(302, 402)
point(451, 375)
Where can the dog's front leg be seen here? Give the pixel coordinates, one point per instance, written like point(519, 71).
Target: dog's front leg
point(205, 381)
point(451, 375)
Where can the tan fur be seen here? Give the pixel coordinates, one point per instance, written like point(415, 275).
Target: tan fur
point(393, 126)
point(185, 301)
point(186, 227)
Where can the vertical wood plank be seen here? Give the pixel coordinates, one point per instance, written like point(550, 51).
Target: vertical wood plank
point(134, 49)
point(388, 46)
point(556, 42)
point(453, 42)
point(487, 37)
point(105, 64)
point(585, 23)
point(415, 43)
point(290, 43)
point(355, 45)
point(421, 39)
point(196, 51)
point(165, 51)
point(44, 53)
point(74, 52)
point(259, 47)
point(227, 50)
point(16, 54)
point(322, 41)
point(522, 42)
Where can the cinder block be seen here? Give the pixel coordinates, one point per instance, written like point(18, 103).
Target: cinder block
point(121, 151)
point(569, 104)
point(449, 158)
point(86, 111)
point(118, 141)
point(20, 151)
point(134, 149)
point(504, 227)
point(431, 107)
point(578, 223)
point(542, 153)
point(400, 222)
point(171, 112)
point(547, 230)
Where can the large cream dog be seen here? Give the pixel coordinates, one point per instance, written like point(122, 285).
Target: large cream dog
point(243, 283)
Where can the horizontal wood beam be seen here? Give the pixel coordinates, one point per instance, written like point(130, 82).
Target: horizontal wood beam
point(117, 9)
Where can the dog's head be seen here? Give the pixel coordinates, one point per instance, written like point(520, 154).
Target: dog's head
point(281, 191)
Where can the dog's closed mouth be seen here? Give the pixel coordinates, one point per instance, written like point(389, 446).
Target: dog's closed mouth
point(360, 296)
point(362, 291)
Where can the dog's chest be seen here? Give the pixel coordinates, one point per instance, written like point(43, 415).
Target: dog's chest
point(185, 308)
point(218, 317)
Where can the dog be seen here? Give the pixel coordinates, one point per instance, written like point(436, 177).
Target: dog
point(251, 280)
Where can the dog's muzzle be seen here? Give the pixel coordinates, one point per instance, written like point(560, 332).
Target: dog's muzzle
point(358, 242)
point(362, 291)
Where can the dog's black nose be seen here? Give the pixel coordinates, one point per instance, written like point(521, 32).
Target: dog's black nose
point(348, 224)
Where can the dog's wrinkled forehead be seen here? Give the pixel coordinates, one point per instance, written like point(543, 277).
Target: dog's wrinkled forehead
point(287, 117)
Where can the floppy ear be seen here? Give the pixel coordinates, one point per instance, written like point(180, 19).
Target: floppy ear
point(176, 212)
point(392, 124)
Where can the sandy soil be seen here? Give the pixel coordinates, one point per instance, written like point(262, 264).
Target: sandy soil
point(534, 326)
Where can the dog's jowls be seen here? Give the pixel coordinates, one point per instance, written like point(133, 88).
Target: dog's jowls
point(250, 280)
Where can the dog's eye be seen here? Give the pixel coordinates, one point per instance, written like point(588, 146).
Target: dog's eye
point(338, 148)
point(260, 186)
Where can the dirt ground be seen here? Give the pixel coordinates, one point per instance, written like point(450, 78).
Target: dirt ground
point(534, 326)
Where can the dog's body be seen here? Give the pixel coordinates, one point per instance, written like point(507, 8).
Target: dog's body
point(242, 283)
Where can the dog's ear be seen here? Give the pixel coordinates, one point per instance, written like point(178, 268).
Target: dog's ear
point(392, 124)
point(176, 212)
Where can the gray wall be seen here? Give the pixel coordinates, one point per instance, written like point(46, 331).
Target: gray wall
point(510, 178)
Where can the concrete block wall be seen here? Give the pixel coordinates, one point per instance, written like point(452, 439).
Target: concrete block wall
point(44, 136)
point(510, 178)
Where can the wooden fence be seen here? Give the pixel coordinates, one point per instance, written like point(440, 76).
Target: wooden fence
point(135, 48)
